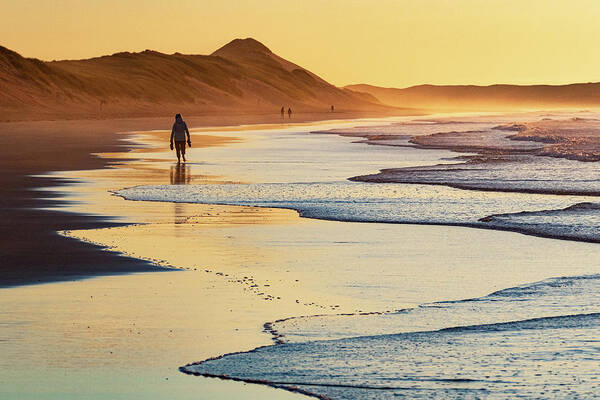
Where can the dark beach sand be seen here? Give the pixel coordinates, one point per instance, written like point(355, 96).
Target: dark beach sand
point(32, 252)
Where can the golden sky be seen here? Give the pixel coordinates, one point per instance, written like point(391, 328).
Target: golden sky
point(383, 42)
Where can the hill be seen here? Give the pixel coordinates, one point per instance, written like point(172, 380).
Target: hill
point(494, 97)
point(243, 76)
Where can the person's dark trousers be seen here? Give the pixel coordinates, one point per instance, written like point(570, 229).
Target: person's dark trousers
point(180, 148)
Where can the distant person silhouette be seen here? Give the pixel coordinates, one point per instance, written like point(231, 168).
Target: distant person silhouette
point(332, 108)
point(290, 112)
point(282, 111)
point(178, 133)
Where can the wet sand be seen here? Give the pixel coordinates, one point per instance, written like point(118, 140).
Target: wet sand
point(31, 250)
point(44, 327)
point(238, 268)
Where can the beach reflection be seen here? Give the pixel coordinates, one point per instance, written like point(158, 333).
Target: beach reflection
point(180, 174)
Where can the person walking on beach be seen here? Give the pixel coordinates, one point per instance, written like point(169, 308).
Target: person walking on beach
point(282, 111)
point(290, 112)
point(178, 133)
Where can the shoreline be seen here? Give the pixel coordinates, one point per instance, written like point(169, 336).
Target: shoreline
point(462, 225)
point(25, 217)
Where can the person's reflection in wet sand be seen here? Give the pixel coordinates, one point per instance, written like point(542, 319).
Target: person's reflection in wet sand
point(180, 174)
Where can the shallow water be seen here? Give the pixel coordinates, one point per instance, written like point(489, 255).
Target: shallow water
point(514, 173)
point(537, 340)
point(533, 340)
point(423, 187)
point(553, 297)
point(368, 202)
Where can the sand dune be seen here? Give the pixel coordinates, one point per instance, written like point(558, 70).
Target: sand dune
point(243, 76)
point(493, 97)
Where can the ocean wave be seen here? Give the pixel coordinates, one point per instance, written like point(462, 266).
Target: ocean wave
point(500, 360)
point(561, 321)
point(548, 298)
point(580, 222)
point(390, 203)
point(502, 173)
point(530, 356)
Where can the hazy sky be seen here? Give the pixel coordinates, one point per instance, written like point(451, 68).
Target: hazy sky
point(384, 42)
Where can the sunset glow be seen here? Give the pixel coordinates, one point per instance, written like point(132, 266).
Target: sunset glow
point(388, 43)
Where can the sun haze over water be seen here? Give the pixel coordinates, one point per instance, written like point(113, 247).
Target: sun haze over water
point(394, 43)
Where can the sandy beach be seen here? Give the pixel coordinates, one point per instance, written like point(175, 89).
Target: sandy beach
point(227, 270)
point(377, 200)
point(33, 148)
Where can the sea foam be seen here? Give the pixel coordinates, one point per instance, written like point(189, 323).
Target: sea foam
point(537, 340)
point(389, 203)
